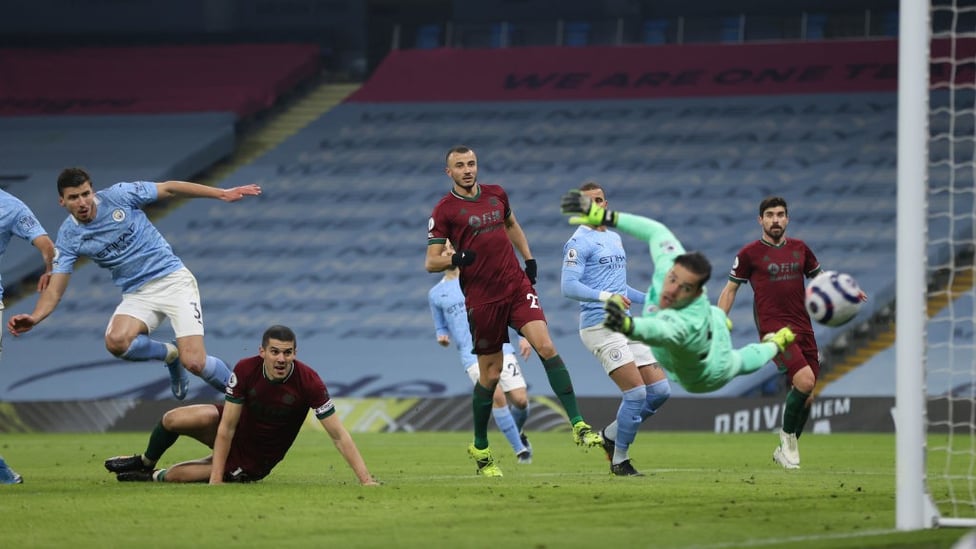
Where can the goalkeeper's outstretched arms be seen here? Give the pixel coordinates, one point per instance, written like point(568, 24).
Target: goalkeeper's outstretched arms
point(584, 211)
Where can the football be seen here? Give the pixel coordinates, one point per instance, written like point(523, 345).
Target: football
point(833, 298)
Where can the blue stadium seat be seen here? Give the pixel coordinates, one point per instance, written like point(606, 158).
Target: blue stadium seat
point(577, 33)
point(655, 31)
point(428, 37)
point(815, 25)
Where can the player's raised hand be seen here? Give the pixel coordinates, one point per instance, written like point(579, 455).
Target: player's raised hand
point(574, 203)
point(617, 318)
point(236, 193)
point(19, 324)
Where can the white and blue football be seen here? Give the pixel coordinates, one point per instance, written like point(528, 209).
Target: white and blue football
point(833, 299)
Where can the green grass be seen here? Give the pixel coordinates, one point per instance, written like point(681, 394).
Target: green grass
point(701, 490)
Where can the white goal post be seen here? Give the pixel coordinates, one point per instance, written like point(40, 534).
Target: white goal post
point(935, 400)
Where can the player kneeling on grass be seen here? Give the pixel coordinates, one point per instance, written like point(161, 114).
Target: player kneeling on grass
point(267, 399)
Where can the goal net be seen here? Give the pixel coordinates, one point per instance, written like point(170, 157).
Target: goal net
point(936, 351)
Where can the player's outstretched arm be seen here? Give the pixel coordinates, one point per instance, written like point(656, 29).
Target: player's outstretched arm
point(347, 447)
point(50, 297)
point(169, 189)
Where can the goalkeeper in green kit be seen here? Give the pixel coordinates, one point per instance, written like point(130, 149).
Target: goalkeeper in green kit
point(689, 336)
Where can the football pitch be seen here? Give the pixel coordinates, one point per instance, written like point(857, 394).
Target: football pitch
point(700, 490)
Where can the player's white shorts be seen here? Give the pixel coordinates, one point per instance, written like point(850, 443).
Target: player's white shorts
point(511, 377)
point(613, 349)
point(174, 296)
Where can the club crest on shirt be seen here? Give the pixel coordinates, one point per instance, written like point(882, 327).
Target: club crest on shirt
point(668, 246)
point(232, 381)
point(118, 215)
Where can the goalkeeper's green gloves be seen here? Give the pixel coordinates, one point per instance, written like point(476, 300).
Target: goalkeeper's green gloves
point(617, 318)
point(574, 203)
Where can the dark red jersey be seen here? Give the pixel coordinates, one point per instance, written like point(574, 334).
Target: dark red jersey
point(478, 224)
point(776, 274)
point(273, 412)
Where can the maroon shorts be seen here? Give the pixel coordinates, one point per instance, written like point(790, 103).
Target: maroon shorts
point(802, 352)
point(490, 322)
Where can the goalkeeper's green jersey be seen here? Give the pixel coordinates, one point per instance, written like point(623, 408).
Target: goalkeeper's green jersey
point(693, 343)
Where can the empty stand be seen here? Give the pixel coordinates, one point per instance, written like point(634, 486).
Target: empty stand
point(243, 79)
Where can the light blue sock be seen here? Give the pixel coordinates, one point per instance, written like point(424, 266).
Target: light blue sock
point(657, 394)
point(142, 348)
point(628, 421)
point(215, 373)
point(506, 424)
point(520, 415)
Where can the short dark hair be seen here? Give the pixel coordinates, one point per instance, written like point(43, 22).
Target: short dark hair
point(71, 177)
point(591, 186)
point(697, 263)
point(459, 149)
point(772, 202)
point(279, 332)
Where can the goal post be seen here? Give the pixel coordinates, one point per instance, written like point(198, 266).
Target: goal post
point(935, 396)
point(912, 159)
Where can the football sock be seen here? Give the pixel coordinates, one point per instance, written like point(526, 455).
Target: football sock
point(628, 421)
point(159, 441)
point(481, 406)
point(506, 424)
point(159, 475)
point(562, 386)
point(520, 415)
point(610, 431)
point(802, 422)
point(793, 410)
point(657, 394)
point(144, 348)
point(215, 373)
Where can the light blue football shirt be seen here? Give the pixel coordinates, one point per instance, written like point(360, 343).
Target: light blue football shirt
point(595, 261)
point(120, 238)
point(16, 219)
point(451, 319)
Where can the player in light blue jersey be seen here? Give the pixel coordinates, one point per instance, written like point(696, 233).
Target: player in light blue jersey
point(510, 401)
point(689, 336)
point(16, 219)
point(594, 270)
point(110, 228)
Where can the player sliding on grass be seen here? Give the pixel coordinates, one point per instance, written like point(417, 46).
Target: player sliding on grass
point(268, 398)
point(689, 336)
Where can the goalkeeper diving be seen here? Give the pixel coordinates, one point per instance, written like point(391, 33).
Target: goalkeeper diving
point(689, 336)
